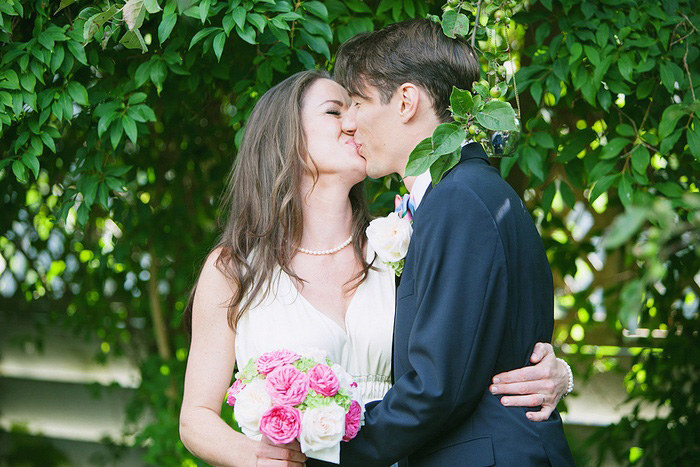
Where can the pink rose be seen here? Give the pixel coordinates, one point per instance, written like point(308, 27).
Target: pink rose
point(282, 424)
point(323, 380)
point(271, 360)
point(233, 391)
point(352, 421)
point(287, 386)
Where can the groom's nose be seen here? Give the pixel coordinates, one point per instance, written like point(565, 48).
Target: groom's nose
point(348, 123)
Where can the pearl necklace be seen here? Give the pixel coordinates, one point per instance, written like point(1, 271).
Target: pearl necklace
point(327, 252)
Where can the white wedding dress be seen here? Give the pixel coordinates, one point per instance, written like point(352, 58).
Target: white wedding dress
point(286, 320)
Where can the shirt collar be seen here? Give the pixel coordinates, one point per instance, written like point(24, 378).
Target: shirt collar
point(420, 186)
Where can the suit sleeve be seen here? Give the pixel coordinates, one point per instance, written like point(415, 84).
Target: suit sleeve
point(461, 301)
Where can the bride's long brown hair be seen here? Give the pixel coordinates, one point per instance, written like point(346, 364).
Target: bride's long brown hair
point(263, 199)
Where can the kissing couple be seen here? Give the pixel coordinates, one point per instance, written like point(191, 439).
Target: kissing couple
point(436, 356)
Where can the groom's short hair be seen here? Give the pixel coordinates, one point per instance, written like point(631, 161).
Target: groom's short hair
point(415, 51)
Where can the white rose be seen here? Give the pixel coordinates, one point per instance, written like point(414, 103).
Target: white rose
point(251, 403)
point(389, 236)
point(313, 353)
point(343, 376)
point(322, 427)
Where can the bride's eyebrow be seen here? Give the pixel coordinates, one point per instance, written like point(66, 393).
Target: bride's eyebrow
point(332, 101)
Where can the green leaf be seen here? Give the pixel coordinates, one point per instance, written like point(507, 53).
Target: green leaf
point(625, 191)
point(95, 22)
point(668, 142)
point(624, 227)
point(447, 138)
point(57, 58)
point(576, 51)
point(316, 43)
point(134, 40)
point(601, 186)
point(136, 98)
point(624, 129)
point(626, 65)
point(421, 158)
point(204, 10)
point(133, 14)
point(640, 159)
point(548, 197)
point(693, 136)
point(202, 34)
point(239, 15)
point(316, 9)
point(543, 139)
point(78, 92)
point(602, 34)
point(64, 3)
point(115, 134)
point(667, 77)
point(48, 141)
point(28, 82)
point(31, 162)
point(78, 52)
point(613, 148)
point(152, 6)
point(461, 102)
point(318, 28)
point(455, 24)
point(306, 59)
point(166, 27)
point(259, 22)
point(670, 189)
point(567, 195)
point(158, 73)
point(20, 171)
point(669, 119)
point(89, 189)
point(442, 165)
point(248, 34)
point(497, 115)
point(218, 45)
point(531, 162)
point(130, 128)
point(592, 55)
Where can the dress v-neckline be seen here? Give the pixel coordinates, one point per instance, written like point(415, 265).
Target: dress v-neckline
point(343, 328)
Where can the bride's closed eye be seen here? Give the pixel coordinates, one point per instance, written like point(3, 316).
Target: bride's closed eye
point(333, 112)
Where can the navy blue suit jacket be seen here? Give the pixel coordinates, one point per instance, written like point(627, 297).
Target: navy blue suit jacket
point(475, 296)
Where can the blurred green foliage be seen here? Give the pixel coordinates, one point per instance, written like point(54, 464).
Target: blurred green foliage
point(119, 122)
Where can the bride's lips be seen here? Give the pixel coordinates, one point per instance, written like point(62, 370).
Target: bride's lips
point(356, 146)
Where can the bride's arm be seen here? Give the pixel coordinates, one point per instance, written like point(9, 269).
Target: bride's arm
point(541, 385)
point(209, 369)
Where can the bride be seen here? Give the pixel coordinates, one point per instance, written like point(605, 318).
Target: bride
point(292, 268)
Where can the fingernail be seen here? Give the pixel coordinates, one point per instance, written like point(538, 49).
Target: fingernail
point(494, 390)
point(497, 380)
point(529, 417)
point(505, 401)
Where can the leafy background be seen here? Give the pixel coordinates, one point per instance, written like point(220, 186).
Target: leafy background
point(117, 123)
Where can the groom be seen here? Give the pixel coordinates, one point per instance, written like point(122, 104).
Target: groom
point(476, 292)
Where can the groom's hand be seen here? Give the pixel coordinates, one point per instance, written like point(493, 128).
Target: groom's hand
point(269, 454)
point(542, 384)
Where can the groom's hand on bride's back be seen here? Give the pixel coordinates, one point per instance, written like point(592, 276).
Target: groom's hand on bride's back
point(269, 454)
point(543, 384)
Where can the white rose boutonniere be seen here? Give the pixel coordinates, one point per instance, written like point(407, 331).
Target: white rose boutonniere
point(389, 237)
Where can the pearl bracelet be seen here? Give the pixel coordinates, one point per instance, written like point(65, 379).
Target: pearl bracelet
point(571, 377)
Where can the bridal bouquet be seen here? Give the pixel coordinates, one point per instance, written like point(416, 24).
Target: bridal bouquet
point(286, 395)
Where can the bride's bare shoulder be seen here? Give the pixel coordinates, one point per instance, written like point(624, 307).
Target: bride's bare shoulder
point(215, 288)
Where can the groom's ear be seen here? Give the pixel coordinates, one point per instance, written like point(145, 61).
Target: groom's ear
point(409, 101)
